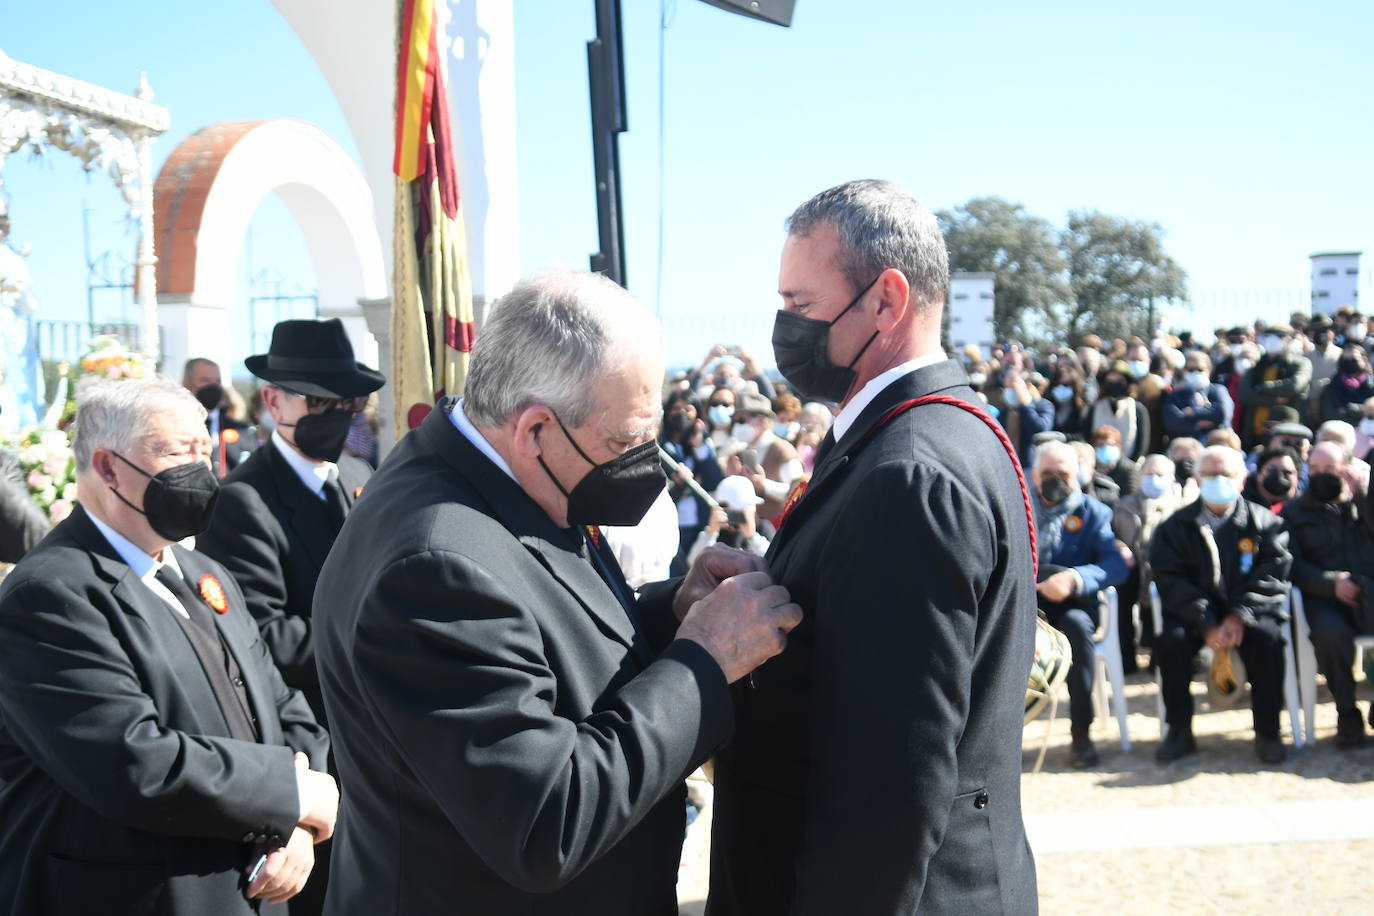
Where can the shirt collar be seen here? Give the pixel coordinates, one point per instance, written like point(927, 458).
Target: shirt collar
point(875, 387)
point(314, 474)
point(143, 565)
point(459, 418)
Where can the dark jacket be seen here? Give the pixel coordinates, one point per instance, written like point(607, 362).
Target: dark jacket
point(1327, 540)
point(1087, 545)
point(1195, 591)
point(22, 523)
point(1212, 404)
point(120, 788)
point(876, 766)
point(510, 738)
point(1027, 421)
point(1339, 401)
point(706, 471)
point(1292, 374)
point(237, 440)
point(273, 534)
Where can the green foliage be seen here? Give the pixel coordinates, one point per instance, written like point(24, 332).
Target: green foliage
point(993, 235)
point(1097, 275)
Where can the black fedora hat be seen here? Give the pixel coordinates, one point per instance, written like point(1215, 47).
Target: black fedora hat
point(314, 358)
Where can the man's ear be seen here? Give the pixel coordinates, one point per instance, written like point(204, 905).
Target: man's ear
point(528, 426)
point(894, 298)
point(102, 462)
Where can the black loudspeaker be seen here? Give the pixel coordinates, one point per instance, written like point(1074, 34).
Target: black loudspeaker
point(778, 12)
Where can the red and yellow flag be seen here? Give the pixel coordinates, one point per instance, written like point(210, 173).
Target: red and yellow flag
point(431, 317)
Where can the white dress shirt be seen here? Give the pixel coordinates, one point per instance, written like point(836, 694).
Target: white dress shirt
point(143, 565)
point(875, 387)
point(459, 418)
point(314, 474)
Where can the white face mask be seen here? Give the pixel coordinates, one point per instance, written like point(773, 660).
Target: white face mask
point(743, 432)
point(1367, 427)
point(1272, 343)
point(786, 430)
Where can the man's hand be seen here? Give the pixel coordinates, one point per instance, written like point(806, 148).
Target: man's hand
point(1348, 591)
point(286, 870)
point(718, 520)
point(319, 799)
point(1058, 587)
point(713, 566)
point(743, 623)
point(681, 475)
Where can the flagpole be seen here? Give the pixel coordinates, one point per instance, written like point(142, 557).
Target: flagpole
point(606, 77)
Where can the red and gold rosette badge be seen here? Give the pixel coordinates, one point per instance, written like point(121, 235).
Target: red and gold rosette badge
point(1245, 545)
point(1073, 523)
point(212, 593)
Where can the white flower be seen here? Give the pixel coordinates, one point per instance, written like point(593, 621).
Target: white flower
point(69, 492)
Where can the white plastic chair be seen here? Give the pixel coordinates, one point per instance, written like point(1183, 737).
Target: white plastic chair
point(1108, 666)
point(1293, 684)
point(1363, 644)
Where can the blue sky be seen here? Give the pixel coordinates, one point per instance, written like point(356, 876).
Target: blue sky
point(1241, 129)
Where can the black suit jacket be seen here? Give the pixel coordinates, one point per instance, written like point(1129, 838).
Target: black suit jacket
point(509, 738)
point(876, 765)
point(120, 790)
point(273, 534)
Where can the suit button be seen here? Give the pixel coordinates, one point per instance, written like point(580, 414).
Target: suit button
point(261, 838)
point(238, 682)
point(248, 837)
point(980, 801)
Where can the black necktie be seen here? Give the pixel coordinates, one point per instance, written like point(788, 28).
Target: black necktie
point(220, 666)
point(334, 499)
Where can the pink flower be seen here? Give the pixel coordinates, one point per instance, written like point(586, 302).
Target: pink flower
point(37, 479)
point(59, 510)
point(55, 466)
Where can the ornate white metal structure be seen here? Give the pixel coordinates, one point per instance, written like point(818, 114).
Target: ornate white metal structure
point(107, 131)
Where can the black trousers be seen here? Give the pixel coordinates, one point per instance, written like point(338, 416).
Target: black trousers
point(1261, 651)
point(1078, 624)
point(1333, 640)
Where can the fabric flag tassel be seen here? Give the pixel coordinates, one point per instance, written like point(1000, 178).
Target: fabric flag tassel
point(432, 327)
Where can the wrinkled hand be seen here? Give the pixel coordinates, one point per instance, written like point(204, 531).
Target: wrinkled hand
point(1227, 635)
point(1058, 587)
point(286, 870)
point(1348, 591)
point(713, 566)
point(718, 520)
point(743, 623)
point(319, 798)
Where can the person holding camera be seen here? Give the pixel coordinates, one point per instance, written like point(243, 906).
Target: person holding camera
point(734, 522)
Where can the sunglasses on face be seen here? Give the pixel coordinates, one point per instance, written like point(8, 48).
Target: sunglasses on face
point(317, 404)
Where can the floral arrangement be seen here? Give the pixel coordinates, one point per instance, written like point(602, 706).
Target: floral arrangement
point(108, 357)
point(49, 469)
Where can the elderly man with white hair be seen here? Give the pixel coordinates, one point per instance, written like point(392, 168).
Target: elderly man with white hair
point(512, 722)
point(151, 758)
point(1221, 565)
point(1135, 518)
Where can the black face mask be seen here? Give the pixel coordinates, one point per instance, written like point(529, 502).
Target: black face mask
point(1325, 488)
point(800, 345)
point(1053, 491)
point(321, 435)
point(179, 501)
point(680, 424)
point(1115, 390)
point(1277, 483)
point(210, 397)
point(1184, 469)
point(618, 492)
point(1348, 367)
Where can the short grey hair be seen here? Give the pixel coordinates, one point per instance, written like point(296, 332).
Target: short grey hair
point(880, 226)
point(1340, 433)
point(115, 413)
point(1163, 462)
point(548, 340)
point(1232, 459)
point(1047, 450)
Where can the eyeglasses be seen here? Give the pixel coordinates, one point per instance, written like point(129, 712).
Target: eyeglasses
point(317, 404)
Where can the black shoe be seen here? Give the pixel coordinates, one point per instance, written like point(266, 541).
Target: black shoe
point(1349, 730)
point(1180, 743)
point(1270, 750)
point(1082, 754)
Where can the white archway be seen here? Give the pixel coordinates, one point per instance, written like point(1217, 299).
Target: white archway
point(207, 193)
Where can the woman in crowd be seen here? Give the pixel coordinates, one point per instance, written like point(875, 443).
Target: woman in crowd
point(1344, 396)
point(684, 437)
point(1118, 407)
point(1066, 393)
point(720, 416)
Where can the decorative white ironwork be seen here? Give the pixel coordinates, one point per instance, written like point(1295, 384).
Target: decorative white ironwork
point(107, 131)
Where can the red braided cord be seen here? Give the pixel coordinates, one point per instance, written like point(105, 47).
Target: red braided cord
point(997, 430)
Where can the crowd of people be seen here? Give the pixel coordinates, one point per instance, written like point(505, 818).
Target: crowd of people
point(247, 670)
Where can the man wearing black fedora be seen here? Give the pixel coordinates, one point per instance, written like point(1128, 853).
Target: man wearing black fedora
point(281, 509)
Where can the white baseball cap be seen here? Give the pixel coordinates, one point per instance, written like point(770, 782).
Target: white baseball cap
point(736, 493)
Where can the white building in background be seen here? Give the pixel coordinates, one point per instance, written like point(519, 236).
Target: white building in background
point(970, 310)
point(1335, 280)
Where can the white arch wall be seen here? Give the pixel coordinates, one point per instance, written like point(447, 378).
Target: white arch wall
point(352, 42)
point(330, 200)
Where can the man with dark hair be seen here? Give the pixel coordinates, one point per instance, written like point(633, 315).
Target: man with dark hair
point(230, 439)
point(876, 764)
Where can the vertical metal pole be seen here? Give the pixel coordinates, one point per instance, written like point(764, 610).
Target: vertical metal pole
point(606, 77)
point(147, 257)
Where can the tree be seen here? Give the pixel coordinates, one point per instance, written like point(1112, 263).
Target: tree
point(1117, 267)
point(994, 235)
